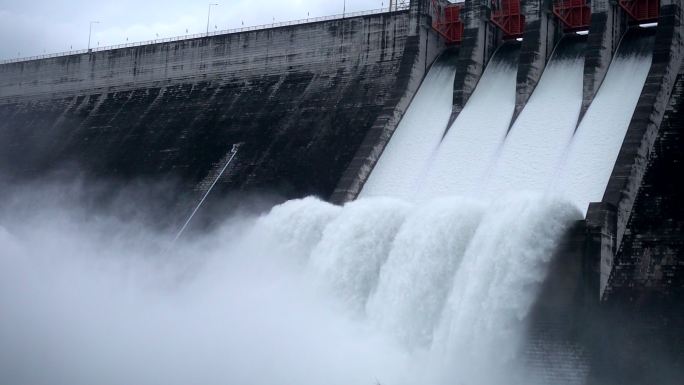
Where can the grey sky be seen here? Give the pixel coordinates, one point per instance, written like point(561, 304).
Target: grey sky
point(34, 27)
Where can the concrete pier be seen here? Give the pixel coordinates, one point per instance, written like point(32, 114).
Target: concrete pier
point(542, 33)
point(608, 25)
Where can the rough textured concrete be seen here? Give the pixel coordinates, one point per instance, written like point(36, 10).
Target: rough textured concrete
point(601, 246)
point(608, 24)
point(542, 32)
point(300, 99)
point(480, 40)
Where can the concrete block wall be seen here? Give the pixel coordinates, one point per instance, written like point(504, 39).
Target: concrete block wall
point(652, 251)
point(601, 246)
point(301, 99)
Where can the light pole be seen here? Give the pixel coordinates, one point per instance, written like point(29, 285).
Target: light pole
point(208, 16)
point(90, 32)
point(344, 8)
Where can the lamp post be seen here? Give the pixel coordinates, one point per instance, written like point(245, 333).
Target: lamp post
point(344, 8)
point(90, 32)
point(209, 15)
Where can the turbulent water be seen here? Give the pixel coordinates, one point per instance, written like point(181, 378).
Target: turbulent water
point(416, 137)
point(308, 293)
point(460, 163)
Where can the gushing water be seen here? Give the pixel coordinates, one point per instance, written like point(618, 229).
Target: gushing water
point(591, 156)
point(461, 161)
point(354, 247)
point(415, 281)
point(416, 137)
point(309, 293)
point(535, 145)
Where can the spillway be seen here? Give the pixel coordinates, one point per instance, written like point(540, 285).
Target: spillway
point(462, 292)
point(417, 135)
point(473, 139)
point(584, 175)
point(535, 144)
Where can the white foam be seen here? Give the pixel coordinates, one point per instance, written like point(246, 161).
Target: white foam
point(496, 285)
point(595, 147)
point(475, 136)
point(535, 145)
point(417, 277)
point(416, 137)
point(354, 246)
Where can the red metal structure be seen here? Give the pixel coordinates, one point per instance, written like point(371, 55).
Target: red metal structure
point(642, 11)
point(446, 20)
point(506, 14)
point(575, 14)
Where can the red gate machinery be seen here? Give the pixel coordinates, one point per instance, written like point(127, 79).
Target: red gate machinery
point(446, 20)
point(642, 11)
point(506, 14)
point(575, 14)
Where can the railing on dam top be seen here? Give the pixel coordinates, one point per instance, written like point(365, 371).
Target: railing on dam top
point(397, 8)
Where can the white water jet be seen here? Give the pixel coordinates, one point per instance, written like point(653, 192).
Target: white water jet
point(296, 226)
point(496, 285)
point(417, 277)
point(354, 247)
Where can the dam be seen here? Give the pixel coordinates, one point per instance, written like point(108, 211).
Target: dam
point(491, 186)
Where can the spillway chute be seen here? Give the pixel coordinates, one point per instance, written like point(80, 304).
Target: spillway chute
point(585, 171)
point(420, 131)
point(535, 144)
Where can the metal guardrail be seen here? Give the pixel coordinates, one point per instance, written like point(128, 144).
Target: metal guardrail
point(215, 33)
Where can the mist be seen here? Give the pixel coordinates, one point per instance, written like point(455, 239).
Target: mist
point(305, 292)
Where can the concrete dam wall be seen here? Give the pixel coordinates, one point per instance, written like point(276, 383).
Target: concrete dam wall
point(299, 100)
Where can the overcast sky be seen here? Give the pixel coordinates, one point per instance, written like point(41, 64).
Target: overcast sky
point(34, 27)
